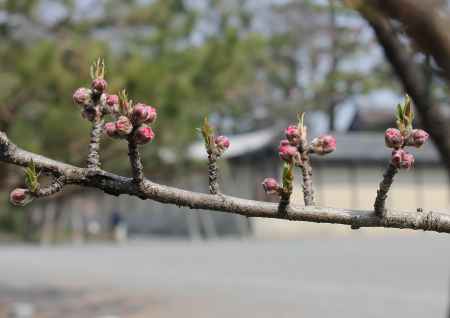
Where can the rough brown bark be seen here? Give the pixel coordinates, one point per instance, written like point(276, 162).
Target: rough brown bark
point(93, 160)
point(385, 185)
point(117, 185)
point(137, 168)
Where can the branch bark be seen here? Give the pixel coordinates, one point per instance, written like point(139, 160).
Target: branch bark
point(385, 185)
point(118, 185)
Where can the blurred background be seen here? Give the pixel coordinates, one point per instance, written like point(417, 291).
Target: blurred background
point(250, 66)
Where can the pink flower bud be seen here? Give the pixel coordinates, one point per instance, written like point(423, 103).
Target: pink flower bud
point(99, 85)
point(82, 96)
point(123, 126)
point(110, 129)
point(324, 144)
point(20, 197)
point(407, 160)
point(396, 158)
point(270, 185)
point(419, 137)
point(143, 135)
point(293, 135)
point(393, 138)
point(287, 152)
point(143, 114)
point(151, 111)
point(402, 159)
point(112, 100)
point(222, 142)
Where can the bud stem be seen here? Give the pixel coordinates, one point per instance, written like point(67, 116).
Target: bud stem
point(308, 192)
point(212, 173)
point(137, 168)
point(93, 160)
point(385, 185)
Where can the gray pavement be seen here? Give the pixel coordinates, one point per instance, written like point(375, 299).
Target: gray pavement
point(356, 276)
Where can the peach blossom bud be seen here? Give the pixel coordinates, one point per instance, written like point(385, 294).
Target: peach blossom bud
point(396, 158)
point(287, 152)
point(222, 142)
point(393, 138)
point(419, 137)
point(99, 85)
point(20, 197)
point(110, 129)
point(270, 185)
point(143, 135)
point(293, 135)
point(143, 114)
point(151, 111)
point(324, 144)
point(112, 100)
point(82, 96)
point(407, 160)
point(123, 126)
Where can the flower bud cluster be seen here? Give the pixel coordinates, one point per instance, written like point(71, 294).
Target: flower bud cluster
point(398, 140)
point(294, 151)
point(134, 122)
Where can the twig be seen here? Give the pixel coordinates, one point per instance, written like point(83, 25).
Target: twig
point(385, 185)
point(134, 155)
point(93, 159)
point(308, 191)
point(212, 173)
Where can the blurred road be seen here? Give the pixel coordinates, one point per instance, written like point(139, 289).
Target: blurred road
point(356, 276)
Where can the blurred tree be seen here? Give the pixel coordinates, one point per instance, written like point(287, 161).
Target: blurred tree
point(157, 51)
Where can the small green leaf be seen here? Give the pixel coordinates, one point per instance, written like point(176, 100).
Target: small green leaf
point(31, 177)
point(208, 135)
point(288, 177)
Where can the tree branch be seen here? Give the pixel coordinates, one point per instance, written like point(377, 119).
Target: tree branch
point(117, 185)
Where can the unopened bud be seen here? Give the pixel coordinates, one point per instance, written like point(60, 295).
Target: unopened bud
point(82, 96)
point(393, 138)
point(143, 114)
point(222, 142)
point(293, 134)
point(402, 159)
point(123, 126)
point(20, 197)
point(143, 135)
point(419, 137)
point(323, 145)
point(287, 152)
point(111, 130)
point(407, 161)
point(99, 85)
point(270, 186)
point(112, 100)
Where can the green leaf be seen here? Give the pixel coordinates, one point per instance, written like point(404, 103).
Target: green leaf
point(31, 177)
point(208, 134)
point(288, 177)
